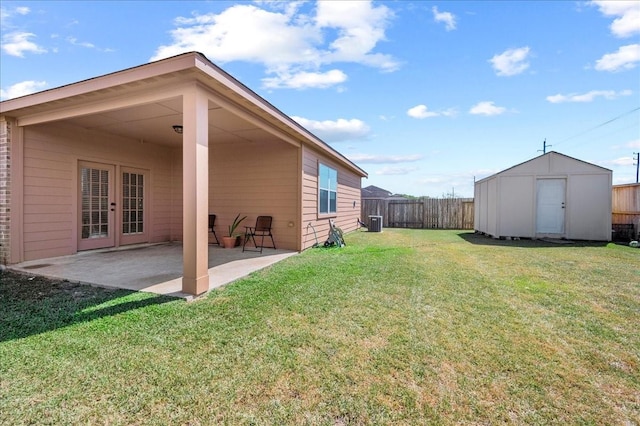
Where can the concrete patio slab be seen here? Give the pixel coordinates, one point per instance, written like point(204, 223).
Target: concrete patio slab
point(154, 268)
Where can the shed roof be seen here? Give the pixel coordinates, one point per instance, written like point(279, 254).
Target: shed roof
point(548, 160)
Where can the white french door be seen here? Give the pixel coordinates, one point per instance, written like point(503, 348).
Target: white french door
point(96, 205)
point(550, 210)
point(112, 207)
point(133, 211)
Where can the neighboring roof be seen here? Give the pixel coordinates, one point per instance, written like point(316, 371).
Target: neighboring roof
point(372, 191)
point(159, 84)
point(549, 155)
point(397, 197)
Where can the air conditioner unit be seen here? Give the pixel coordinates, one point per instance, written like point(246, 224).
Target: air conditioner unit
point(375, 223)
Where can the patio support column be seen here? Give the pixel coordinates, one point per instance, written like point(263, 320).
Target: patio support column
point(195, 190)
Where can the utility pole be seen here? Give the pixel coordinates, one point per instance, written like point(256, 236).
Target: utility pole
point(544, 146)
point(637, 160)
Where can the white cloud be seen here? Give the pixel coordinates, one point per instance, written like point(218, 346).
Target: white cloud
point(17, 43)
point(587, 97)
point(486, 108)
point(459, 184)
point(384, 159)
point(625, 58)
point(422, 111)
point(244, 32)
point(292, 46)
point(620, 179)
point(633, 144)
point(511, 61)
point(395, 171)
point(335, 131)
point(21, 89)
point(75, 42)
point(360, 28)
point(627, 13)
point(447, 17)
point(622, 161)
point(303, 80)
point(5, 14)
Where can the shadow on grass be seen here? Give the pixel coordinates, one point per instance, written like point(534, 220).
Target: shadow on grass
point(480, 239)
point(32, 305)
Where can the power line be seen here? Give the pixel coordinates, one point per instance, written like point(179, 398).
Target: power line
point(586, 140)
point(599, 125)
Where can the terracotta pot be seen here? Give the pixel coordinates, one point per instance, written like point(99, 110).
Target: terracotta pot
point(230, 242)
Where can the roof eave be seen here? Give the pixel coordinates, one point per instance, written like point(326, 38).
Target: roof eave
point(175, 64)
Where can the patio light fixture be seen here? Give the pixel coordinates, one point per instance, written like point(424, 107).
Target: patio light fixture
point(177, 128)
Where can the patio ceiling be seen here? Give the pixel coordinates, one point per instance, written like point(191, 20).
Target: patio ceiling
point(153, 123)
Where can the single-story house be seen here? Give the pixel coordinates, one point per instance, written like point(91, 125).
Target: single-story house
point(552, 195)
point(373, 192)
point(145, 154)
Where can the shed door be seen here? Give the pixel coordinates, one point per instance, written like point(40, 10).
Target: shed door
point(550, 206)
point(97, 206)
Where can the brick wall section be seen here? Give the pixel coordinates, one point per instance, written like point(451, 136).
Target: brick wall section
point(5, 191)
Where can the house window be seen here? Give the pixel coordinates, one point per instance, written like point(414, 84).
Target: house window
point(328, 189)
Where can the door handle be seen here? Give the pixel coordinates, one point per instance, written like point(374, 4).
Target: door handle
point(113, 205)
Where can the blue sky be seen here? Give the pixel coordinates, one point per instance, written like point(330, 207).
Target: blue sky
point(425, 96)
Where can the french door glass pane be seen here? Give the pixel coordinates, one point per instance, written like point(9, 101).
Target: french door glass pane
point(95, 203)
point(132, 203)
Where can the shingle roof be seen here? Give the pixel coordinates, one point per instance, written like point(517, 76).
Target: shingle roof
point(372, 191)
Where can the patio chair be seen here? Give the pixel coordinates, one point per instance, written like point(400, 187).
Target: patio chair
point(212, 223)
point(261, 230)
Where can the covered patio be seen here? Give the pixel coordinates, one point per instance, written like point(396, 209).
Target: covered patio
point(154, 268)
point(144, 156)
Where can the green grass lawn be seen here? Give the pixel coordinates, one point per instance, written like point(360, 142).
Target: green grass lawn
point(401, 327)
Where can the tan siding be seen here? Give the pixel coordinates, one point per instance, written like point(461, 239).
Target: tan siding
point(51, 155)
point(348, 191)
point(47, 199)
point(255, 179)
point(175, 211)
point(161, 202)
point(46, 235)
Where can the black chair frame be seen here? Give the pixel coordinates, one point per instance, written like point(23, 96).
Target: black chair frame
point(261, 230)
point(212, 224)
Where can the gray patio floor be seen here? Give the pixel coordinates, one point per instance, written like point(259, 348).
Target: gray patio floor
point(155, 268)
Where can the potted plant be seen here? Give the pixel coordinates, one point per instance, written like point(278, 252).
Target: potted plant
point(233, 239)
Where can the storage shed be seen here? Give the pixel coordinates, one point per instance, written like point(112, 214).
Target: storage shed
point(550, 196)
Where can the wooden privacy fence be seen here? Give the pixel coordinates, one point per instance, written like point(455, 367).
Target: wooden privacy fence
point(431, 213)
point(626, 210)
